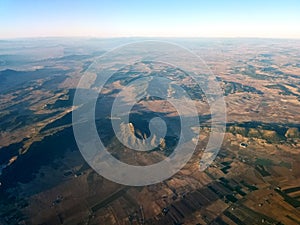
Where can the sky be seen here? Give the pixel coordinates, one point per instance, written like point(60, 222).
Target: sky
point(152, 18)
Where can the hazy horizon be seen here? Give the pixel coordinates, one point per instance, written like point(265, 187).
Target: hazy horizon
point(146, 38)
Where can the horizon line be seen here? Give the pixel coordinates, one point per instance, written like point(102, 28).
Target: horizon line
point(148, 37)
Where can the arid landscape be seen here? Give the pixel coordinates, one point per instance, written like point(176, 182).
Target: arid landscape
point(255, 178)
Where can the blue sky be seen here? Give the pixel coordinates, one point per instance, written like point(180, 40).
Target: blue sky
point(156, 18)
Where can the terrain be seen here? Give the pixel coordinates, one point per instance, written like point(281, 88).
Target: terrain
point(254, 179)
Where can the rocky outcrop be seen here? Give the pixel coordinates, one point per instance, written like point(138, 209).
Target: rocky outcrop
point(292, 133)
